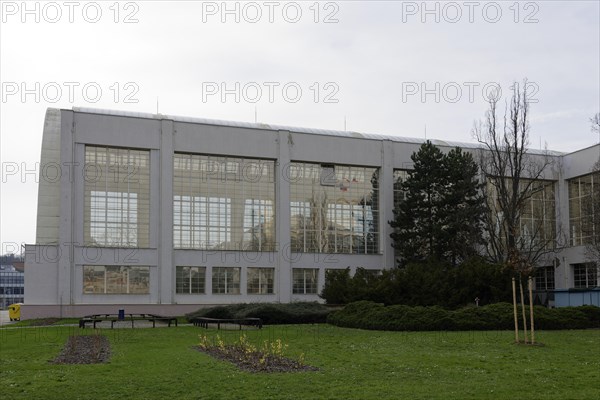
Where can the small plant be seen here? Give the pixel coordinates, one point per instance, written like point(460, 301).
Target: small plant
point(269, 358)
point(204, 342)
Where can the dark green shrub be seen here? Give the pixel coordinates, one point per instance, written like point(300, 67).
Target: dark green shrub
point(499, 316)
point(592, 313)
point(339, 290)
point(270, 313)
point(561, 318)
point(422, 284)
point(216, 312)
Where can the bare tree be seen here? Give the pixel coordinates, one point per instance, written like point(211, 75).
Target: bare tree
point(595, 121)
point(519, 234)
point(591, 227)
point(515, 177)
point(591, 206)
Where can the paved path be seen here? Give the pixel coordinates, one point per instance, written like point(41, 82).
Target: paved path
point(4, 320)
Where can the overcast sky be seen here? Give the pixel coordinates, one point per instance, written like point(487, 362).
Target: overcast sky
point(389, 67)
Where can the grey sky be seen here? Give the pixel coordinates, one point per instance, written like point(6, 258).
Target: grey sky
point(367, 61)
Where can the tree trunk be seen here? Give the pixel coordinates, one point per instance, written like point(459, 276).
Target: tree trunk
point(530, 282)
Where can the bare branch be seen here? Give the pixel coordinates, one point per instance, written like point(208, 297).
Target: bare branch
point(513, 176)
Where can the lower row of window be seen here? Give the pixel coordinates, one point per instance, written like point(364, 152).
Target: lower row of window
point(100, 279)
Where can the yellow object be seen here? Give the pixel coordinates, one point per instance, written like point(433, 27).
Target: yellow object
point(14, 312)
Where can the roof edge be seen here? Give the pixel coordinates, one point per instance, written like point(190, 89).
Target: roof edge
point(314, 131)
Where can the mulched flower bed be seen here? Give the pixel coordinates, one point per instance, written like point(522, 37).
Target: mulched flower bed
point(252, 362)
point(87, 349)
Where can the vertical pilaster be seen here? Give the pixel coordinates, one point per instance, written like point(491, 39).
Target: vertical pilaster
point(164, 223)
point(282, 196)
point(563, 232)
point(386, 202)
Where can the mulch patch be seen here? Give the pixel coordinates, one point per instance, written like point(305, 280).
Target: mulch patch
point(86, 349)
point(251, 363)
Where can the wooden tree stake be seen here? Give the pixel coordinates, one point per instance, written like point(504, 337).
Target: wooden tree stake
point(514, 290)
point(523, 309)
point(530, 282)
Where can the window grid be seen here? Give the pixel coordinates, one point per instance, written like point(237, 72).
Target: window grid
point(544, 278)
point(584, 221)
point(305, 280)
point(334, 209)
point(585, 275)
point(260, 280)
point(190, 280)
point(226, 280)
point(537, 220)
point(100, 279)
point(223, 203)
point(117, 197)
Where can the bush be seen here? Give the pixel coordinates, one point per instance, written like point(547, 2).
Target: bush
point(217, 312)
point(422, 284)
point(499, 316)
point(270, 313)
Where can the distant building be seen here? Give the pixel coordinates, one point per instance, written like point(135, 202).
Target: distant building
point(156, 213)
point(12, 285)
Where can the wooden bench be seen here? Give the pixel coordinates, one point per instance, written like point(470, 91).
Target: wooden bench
point(203, 322)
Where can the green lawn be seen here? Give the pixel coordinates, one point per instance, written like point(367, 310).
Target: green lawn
point(355, 364)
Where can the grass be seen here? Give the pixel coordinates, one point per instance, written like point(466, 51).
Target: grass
point(354, 364)
point(45, 321)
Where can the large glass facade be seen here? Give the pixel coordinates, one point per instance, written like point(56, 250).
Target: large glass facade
point(112, 279)
point(117, 197)
point(537, 218)
point(584, 210)
point(223, 203)
point(334, 208)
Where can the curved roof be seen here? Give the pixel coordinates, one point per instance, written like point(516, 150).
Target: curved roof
point(313, 131)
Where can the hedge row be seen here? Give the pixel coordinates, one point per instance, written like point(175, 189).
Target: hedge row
point(499, 316)
point(431, 283)
point(270, 313)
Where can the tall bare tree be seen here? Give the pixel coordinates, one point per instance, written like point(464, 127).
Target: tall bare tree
point(515, 176)
point(591, 205)
point(519, 234)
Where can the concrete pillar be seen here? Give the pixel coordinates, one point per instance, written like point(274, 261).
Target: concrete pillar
point(386, 202)
point(283, 266)
point(161, 171)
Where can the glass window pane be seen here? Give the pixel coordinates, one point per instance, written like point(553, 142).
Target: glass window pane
point(117, 197)
point(226, 280)
point(223, 203)
point(260, 280)
point(99, 279)
point(332, 204)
